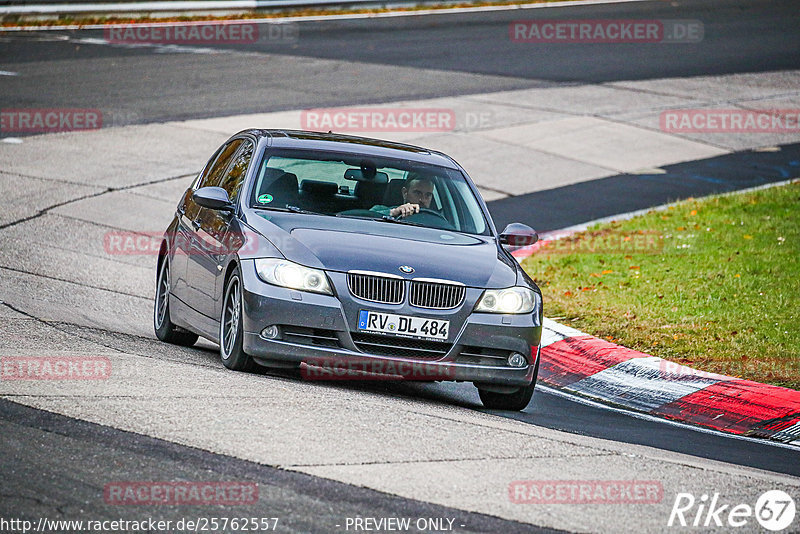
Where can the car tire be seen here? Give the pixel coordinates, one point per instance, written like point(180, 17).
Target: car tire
point(231, 331)
point(165, 329)
point(516, 401)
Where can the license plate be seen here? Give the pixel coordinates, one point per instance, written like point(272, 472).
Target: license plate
point(403, 325)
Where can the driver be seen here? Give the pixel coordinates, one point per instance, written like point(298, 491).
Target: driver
point(417, 193)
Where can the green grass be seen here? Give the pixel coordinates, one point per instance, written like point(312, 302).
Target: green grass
point(712, 283)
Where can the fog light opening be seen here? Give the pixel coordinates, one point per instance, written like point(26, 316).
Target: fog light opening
point(517, 360)
point(271, 332)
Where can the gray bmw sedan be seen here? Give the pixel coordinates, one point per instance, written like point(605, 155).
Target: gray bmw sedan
point(349, 258)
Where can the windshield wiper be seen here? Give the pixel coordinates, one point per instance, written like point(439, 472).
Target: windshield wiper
point(382, 218)
point(389, 218)
point(293, 209)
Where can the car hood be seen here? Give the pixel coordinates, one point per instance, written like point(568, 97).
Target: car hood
point(344, 244)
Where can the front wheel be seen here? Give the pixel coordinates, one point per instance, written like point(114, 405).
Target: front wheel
point(516, 401)
point(231, 330)
point(165, 330)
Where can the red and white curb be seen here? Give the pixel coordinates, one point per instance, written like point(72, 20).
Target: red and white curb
point(579, 363)
point(592, 367)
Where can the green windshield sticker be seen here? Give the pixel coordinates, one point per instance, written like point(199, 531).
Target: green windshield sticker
point(265, 198)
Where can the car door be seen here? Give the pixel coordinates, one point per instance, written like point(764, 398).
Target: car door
point(216, 236)
point(191, 222)
point(186, 213)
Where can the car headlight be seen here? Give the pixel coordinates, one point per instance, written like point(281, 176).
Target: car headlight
point(512, 300)
point(292, 275)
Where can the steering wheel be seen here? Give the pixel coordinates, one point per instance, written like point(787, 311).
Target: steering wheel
point(432, 212)
point(423, 217)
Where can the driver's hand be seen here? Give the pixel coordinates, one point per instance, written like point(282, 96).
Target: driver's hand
point(405, 210)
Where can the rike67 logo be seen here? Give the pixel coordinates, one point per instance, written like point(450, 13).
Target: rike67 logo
point(774, 510)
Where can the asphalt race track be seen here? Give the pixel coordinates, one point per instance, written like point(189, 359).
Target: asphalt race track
point(553, 209)
point(322, 453)
point(384, 60)
point(304, 503)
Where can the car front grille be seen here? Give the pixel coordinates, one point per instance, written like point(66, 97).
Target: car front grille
point(376, 288)
point(436, 295)
point(388, 289)
point(400, 347)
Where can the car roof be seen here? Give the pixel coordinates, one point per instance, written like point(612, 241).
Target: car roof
point(350, 144)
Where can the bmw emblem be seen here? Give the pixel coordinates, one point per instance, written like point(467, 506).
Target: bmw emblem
point(406, 269)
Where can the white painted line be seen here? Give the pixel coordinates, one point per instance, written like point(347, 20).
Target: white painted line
point(168, 48)
point(653, 419)
point(8, 73)
point(346, 16)
point(651, 170)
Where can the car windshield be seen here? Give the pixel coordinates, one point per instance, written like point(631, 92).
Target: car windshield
point(351, 185)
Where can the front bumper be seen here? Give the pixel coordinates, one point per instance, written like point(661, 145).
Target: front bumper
point(320, 331)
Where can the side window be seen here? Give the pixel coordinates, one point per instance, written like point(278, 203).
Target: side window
point(232, 182)
point(214, 175)
point(206, 168)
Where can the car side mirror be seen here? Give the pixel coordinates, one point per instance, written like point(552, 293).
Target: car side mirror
point(214, 198)
point(518, 235)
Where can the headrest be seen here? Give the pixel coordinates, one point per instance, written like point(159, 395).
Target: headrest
point(394, 192)
point(319, 188)
point(370, 193)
